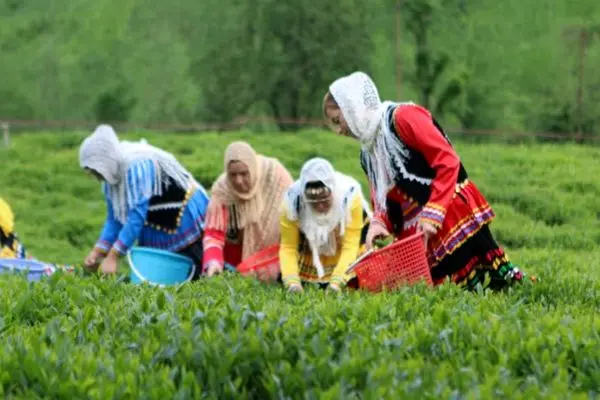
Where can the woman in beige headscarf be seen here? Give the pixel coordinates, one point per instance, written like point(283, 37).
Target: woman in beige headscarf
point(242, 216)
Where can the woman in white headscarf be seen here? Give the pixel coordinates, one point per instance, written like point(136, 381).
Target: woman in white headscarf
point(418, 183)
point(151, 199)
point(324, 222)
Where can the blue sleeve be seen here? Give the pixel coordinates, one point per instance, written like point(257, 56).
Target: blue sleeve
point(140, 185)
point(136, 218)
point(111, 228)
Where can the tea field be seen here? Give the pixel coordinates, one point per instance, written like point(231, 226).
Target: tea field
point(80, 336)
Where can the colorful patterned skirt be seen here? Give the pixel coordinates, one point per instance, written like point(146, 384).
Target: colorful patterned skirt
point(307, 271)
point(464, 250)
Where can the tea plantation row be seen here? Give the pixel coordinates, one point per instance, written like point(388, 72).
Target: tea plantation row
point(83, 337)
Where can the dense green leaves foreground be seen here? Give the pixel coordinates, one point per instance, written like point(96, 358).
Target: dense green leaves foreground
point(73, 337)
point(81, 337)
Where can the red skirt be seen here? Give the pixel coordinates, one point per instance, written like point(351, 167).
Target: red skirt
point(466, 215)
point(463, 249)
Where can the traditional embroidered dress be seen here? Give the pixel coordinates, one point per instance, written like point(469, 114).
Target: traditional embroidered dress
point(151, 199)
point(415, 174)
point(320, 248)
point(241, 224)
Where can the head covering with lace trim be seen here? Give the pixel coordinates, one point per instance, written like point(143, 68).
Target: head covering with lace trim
point(366, 116)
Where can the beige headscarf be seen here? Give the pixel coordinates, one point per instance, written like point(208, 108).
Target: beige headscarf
point(255, 212)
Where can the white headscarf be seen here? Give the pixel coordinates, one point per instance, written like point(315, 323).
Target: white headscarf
point(319, 229)
point(367, 117)
point(104, 153)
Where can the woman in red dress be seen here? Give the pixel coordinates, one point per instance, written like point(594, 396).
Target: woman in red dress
point(418, 183)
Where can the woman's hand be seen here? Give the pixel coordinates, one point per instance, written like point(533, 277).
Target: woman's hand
point(213, 268)
point(334, 287)
point(93, 258)
point(109, 265)
point(295, 288)
point(376, 229)
point(428, 229)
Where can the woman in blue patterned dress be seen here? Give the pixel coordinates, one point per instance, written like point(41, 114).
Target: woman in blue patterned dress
point(151, 199)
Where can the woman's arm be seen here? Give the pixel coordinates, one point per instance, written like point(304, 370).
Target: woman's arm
point(415, 127)
point(350, 243)
point(288, 250)
point(140, 183)
point(214, 235)
point(130, 233)
point(110, 231)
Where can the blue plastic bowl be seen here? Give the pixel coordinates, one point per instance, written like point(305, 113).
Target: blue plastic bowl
point(159, 267)
point(36, 270)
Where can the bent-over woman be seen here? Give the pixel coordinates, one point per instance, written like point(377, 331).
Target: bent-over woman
point(418, 183)
point(150, 198)
point(242, 216)
point(11, 246)
point(324, 222)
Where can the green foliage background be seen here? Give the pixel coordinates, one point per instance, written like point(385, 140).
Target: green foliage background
point(484, 64)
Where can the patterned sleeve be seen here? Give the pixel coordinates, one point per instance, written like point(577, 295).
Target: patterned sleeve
point(140, 184)
point(136, 217)
point(214, 236)
point(110, 231)
point(416, 128)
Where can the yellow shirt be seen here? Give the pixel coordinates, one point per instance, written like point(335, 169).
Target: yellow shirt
point(7, 218)
point(296, 259)
point(9, 252)
point(10, 247)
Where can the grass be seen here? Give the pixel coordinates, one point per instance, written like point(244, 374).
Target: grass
point(84, 337)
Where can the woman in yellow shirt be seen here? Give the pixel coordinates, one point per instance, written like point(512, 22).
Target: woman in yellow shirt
point(324, 222)
point(10, 246)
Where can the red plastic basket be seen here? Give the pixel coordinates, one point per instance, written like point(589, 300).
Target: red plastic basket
point(402, 262)
point(262, 265)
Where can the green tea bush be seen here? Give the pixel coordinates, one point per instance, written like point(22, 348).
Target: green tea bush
point(81, 336)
